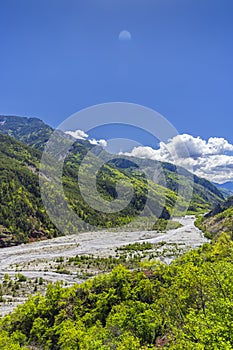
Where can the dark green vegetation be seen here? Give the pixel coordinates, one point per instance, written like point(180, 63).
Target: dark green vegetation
point(162, 225)
point(32, 131)
point(23, 216)
point(18, 287)
point(130, 256)
point(220, 219)
point(186, 305)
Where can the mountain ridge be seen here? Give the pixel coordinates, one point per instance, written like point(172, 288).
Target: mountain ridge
point(226, 188)
point(29, 130)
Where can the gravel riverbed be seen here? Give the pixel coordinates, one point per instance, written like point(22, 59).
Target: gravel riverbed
point(34, 260)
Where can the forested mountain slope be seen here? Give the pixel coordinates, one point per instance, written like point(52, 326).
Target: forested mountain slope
point(22, 214)
point(32, 131)
point(35, 133)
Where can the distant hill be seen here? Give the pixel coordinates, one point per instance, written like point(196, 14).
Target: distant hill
point(226, 188)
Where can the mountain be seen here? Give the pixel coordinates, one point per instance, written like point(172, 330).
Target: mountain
point(218, 220)
point(32, 131)
point(177, 179)
point(226, 188)
point(35, 133)
point(228, 185)
point(23, 216)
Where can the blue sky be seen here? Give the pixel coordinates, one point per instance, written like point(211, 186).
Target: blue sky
point(59, 56)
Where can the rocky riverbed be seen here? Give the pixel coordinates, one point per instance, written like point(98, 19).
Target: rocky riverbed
point(39, 260)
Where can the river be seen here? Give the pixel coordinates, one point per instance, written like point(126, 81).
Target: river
point(33, 259)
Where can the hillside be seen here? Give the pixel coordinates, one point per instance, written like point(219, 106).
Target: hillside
point(205, 193)
point(32, 131)
point(22, 214)
point(220, 219)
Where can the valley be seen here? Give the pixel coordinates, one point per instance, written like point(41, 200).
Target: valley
point(50, 261)
point(134, 278)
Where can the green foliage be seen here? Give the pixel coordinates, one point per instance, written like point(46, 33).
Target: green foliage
point(164, 225)
point(15, 341)
point(31, 131)
point(22, 215)
point(21, 278)
point(136, 247)
point(184, 305)
point(220, 220)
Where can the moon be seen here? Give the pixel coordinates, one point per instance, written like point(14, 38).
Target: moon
point(125, 35)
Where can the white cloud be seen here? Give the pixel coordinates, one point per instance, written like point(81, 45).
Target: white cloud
point(78, 134)
point(81, 135)
point(212, 159)
point(100, 142)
